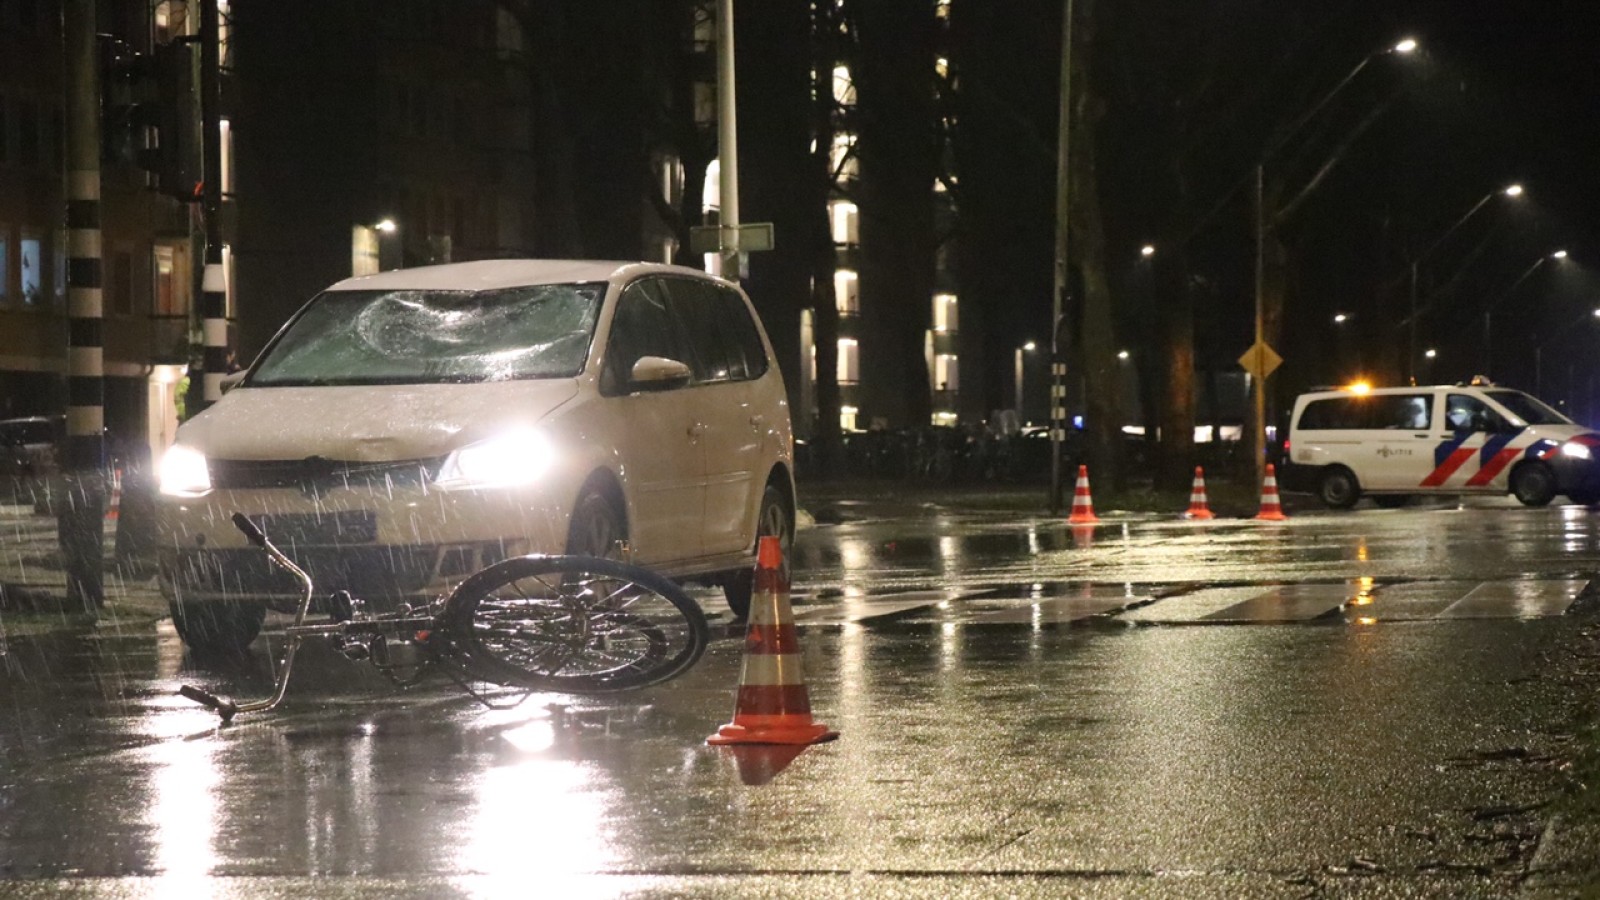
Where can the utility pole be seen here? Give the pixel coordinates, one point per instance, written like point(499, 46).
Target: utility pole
point(1258, 381)
point(213, 285)
point(727, 145)
point(1058, 359)
point(80, 506)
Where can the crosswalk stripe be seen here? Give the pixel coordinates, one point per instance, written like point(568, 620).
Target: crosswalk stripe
point(1358, 602)
point(1516, 599)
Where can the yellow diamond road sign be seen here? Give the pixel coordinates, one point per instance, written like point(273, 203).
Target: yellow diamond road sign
point(1260, 360)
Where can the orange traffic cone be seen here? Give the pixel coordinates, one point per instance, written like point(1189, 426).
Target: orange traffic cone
point(1199, 508)
point(1082, 503)
point(1271, 508)
point(774, 706)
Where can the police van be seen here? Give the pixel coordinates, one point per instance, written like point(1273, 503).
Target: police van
point(1477, 438)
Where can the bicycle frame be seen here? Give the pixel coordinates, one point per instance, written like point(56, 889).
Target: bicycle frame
point(297, 632)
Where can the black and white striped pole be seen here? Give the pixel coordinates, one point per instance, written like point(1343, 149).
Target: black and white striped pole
point(80, 504)
point(213, 284)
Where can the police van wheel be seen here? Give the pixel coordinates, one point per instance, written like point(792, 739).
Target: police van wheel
point(1339, 489)
point(1533, 484)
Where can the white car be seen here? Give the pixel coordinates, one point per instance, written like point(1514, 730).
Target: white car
point(404, 430)
point(1394, 443)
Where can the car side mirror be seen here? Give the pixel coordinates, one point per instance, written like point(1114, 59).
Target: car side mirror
point(657, 373)
point(232, 379)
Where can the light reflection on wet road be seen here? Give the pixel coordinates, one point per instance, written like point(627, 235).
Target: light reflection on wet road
point(1025, 753)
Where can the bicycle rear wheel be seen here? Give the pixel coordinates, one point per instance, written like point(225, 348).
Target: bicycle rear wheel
point(574, 623)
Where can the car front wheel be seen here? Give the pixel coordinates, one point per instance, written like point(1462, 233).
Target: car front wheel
point(595, 526)
point(218, 628)
point(776, 519)
point(1533, 484)
point(1339, 489)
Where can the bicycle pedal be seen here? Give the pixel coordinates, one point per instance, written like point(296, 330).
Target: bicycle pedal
point(355, 651)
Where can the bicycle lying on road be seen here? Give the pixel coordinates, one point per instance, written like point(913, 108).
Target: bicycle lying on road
point(570, 624)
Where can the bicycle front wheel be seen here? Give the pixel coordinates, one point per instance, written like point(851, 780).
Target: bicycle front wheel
point(574, 623)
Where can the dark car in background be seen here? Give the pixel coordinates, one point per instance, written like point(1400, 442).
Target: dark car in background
point(28, 445)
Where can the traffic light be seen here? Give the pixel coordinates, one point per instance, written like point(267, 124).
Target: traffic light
point(150, 113)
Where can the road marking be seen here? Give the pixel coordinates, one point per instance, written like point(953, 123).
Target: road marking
point(858, 609)
point(1288, 603)
point(1080, 603)
point(1516, 599)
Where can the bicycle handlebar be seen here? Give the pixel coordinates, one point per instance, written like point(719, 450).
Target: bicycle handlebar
point(251, 532)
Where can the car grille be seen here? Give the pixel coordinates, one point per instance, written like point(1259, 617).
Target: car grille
point(337, 527)
point(383, 574)
point(316, 475)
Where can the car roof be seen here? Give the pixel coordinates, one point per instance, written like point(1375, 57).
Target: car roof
point(495, 274)
point(1403, 389)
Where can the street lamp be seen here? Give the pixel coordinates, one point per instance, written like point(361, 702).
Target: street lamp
point(1538, 351)
point(1029, 347)
point(1147, 251)
point(1488, 309)
point(1258, 435)
point(1513, 191)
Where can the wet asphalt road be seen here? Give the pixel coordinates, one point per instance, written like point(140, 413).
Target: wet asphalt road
point(1367, 704)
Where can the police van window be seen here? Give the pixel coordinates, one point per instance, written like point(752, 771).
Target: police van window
point(1467, 413)
point(1407, 411)
point(1333, 413)
point(641, 326)
point(1526, 408)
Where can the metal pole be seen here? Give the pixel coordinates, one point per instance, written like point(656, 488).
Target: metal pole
point(1258, 385)
point(727, 145)
point(1411, 340)
point(1058, 363)
point(1019, 383)
point(79, 509)
point(213, 286)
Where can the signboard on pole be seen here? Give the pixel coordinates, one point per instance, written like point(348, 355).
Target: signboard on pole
point(1260, 360)
point(753, 237)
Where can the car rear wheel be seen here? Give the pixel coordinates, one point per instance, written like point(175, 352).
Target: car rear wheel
point(1533, 484)
point(776, 519)
point(218, 628)
point(1339, 488)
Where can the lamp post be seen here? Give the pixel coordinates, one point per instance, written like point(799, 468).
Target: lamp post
point(1258, 436)
point(1538, 351)
point(1513, 191)
point(1488, 309)
point(1021, 364)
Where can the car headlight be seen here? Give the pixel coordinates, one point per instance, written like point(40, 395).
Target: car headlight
point(184, 472)
point(515, 457)
point(1576, 450)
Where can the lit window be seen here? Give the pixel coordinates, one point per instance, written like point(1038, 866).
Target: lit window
point(945, 418)
point(844, 90)
point(849, 369)
point(32, 272)
point(847, 418)
point(846, 222)
point(946, 372)
point(944, 313)
point(847, 292)
point(843, 159)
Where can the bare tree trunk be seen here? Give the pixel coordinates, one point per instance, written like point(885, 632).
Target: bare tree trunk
point(1176, 314)
point(824, 257)
point(1097, 351)
point(899, 152)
